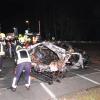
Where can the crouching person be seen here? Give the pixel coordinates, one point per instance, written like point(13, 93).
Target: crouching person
point(23, 61)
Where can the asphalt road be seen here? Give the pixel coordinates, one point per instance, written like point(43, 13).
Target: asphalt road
point(74, 81)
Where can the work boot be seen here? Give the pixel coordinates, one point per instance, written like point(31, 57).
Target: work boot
point(13, 89)
point(27, 87)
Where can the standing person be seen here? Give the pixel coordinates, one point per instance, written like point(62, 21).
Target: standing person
point(2, 50)
point(15, 31)
point(23, 61)
point(2, 54)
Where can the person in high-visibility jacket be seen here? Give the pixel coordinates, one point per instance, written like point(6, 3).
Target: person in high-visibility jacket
point(2, 36)
point(23, 62)
point(2, 54)
point(2, 49)
point(21, 40)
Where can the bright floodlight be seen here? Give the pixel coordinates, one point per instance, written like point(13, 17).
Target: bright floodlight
point(27, 21)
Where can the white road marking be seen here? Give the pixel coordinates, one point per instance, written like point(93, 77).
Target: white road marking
point(95, 82)
point(97, 69)
point(48, 91)
point(1, 78)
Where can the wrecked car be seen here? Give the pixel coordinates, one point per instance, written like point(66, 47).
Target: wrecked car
point(54, 60)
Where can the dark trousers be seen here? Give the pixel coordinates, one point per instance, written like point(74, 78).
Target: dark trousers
point(23, 66)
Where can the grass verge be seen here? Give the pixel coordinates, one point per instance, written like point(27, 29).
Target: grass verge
point(88, 94)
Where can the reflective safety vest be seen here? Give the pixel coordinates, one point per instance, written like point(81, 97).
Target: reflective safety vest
point(2, 36)
point(23, 56)
point(26, 38)
point(21, 39)
point(2, 52)
point(18, 47)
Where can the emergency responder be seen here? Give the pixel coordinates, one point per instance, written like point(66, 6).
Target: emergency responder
point(2, 36)
point(21, 39)
point(23, 62)
point(2, 49)
point(2, 54)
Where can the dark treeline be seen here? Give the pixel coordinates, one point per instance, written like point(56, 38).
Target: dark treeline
point(71, 20)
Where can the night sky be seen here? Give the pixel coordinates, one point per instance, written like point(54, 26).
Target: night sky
point(66, 20)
